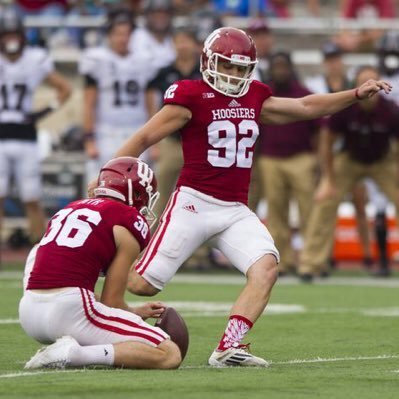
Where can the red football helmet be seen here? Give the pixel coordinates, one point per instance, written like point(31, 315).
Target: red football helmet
point(131, 181)
point(232, 45)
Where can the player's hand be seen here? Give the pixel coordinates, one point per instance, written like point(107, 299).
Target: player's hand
point(150, 309)
point(91, 149)
point(325, 190)
point(371, 87)
point(90, 188)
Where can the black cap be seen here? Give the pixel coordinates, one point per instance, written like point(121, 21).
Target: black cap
point(158, 5)
point(11, 23)
point(331, 49)
point(118, 16)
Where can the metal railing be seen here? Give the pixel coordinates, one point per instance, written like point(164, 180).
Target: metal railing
point(297, 25)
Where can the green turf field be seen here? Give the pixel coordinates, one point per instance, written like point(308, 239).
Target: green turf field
point(332, 339)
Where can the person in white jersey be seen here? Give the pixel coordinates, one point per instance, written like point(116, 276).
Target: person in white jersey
point(115, 79)
point(22, 70)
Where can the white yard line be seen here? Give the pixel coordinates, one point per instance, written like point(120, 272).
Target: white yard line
point(9, 321)
point(217, 309)
point(200, 308)
point(318, 360)
point(33, 373)
point(11, 275)
point(338, 359)
point(239, 280)
point(211, 279)
point(287, 362)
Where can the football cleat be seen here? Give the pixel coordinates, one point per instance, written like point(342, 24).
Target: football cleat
point(236, 356)
point(53, 356)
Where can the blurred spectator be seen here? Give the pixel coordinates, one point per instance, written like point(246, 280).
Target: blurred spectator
point(42, 8)
point(114, 99)
point(242, 8)
point(269, 8)
point(388, 61)
point(314, 7)
point(85, 37)
point(185, 7)
point(22, 70)
point(264, 41)
point(155, 39)
point(204, 22)
point(287, 162)
point(282, 8)
point(334, 78)
point(278, 8)
point(366, 10)
point(366, 128)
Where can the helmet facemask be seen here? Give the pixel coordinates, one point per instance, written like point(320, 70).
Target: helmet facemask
point(232, 86)
point(147, 210)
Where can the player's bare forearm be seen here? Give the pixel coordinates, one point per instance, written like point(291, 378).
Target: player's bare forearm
point(63, 88)
point(64, 93)
point(318, 105)
point(278, 110)
point(168, 120)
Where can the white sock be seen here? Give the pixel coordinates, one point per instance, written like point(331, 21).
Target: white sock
point(93, 354)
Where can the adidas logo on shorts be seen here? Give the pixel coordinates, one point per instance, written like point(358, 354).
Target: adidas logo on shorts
point(190, 208)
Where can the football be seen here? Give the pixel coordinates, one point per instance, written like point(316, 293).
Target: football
point(173, 324)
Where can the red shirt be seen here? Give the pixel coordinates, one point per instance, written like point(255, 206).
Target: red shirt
point(219, 140)
point(37, 5)
point(79, 243)
point(366, 8)
point(290, 139)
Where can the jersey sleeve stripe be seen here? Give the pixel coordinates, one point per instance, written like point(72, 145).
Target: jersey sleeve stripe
point(157, 238)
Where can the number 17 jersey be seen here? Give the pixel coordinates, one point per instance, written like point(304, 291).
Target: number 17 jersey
point(218, 142)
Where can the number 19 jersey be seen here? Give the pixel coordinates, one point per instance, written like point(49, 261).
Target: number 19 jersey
point(121, 82)
point(219, 140)
point(79, 243)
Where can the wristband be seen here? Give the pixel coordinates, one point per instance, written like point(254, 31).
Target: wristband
point(357, 95)
point(33, 117)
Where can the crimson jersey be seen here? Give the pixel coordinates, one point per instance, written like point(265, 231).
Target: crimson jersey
point(219, 140)
point(79, 243)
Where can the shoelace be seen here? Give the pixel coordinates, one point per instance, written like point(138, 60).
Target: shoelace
point(245, 347)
